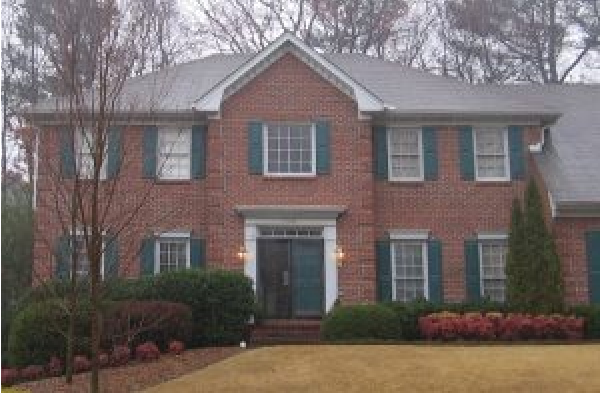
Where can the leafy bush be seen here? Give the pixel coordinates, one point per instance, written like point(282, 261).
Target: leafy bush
point(37, 333)
point(54, 368)
point(147, 351)
point(357, 322)
point(134, 322)
point(176, 347)
point(477, 326)
point(10, 376)
point(32, 372)
point(120, 355)
point(591, 314)
point(221, 301)
point(81, 364)
point(103, 359)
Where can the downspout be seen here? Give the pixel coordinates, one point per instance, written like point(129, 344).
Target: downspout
point(36, 144)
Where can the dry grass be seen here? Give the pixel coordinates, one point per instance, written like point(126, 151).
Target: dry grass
point(407, 368)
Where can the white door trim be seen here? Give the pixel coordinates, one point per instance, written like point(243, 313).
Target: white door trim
point(329, 239)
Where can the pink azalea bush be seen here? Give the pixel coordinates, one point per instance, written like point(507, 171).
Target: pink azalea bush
point(176, 347)
point(9, 376)
point(147, 351)
point(120, 355)
point(496, 326)
point(81, 364)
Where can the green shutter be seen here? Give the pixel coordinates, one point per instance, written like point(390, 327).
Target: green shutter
point(199, 134)
point(384, 270)
point(380, 152)
point(473, 282)
point(111, 257)
point(430, 161)
point(323, 149)
point(255, 147)
point(67, 154)
point(467, 153)
point(592, 246)
point(147, 257)
point(113, 157)
point(516, 151)
point(197, 253)
point(434, 254)
point(149, 153)
point(63, 258)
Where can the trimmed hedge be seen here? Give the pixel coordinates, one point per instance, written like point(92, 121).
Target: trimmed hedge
point(38, 333)
point(361, 322)
point(221, 301)
point(346, 323)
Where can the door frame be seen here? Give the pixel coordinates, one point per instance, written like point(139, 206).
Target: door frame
point(330, 273)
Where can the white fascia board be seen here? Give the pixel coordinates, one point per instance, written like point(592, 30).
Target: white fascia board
point(211, 101)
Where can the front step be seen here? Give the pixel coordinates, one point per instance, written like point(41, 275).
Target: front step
point(280, 331)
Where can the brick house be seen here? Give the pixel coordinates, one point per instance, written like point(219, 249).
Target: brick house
point(293, 158)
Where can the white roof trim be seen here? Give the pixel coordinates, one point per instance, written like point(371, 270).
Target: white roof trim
point(211, 101)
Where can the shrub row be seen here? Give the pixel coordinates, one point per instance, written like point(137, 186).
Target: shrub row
point(496, 326)
point(359, 322)
point(38, 332)
point(119, 356)
point(221, 301)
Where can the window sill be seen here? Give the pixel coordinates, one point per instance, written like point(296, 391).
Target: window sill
point(289, 177)
point(493, 183)
point(173, 181)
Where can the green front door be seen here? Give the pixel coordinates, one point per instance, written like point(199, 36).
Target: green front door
point(307, 277)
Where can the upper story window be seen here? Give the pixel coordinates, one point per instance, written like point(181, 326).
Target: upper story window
point(289, 149)
point(172, 252)
point(491, 154)
point(174, 154)
point(492, 258)
point(409, 270)
point(85, 144)
point(405, 154)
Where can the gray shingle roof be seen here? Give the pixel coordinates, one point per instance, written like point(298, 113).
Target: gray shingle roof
point(571, 166)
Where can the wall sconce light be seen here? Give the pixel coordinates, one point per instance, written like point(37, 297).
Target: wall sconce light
point(242, 254)
point(339, 255)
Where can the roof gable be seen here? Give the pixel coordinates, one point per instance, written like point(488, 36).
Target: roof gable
point(211, 101)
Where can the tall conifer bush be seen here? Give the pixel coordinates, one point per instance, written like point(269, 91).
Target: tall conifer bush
point(533, 269)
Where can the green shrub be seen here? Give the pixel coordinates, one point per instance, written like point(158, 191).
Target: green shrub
point(38, 332)
point(591, 313)
point(358, 322)
point(221, 301)
point(407, 316)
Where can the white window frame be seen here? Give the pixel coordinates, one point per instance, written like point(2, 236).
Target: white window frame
point(482, 238)
point(410, 239)
point(79, 235)
point(421, 176)
point(167, 237)
point(504, 130)
point(159, 163)
point(313, 146)
point(80, 139)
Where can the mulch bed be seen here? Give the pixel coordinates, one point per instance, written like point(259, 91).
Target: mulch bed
point(137, 376)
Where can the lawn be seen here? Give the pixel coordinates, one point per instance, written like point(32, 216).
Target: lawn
point(393, 368)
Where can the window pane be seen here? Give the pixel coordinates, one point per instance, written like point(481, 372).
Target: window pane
point(405, 153)
point(409, 270)
point(289, 148)
point(490, 142)
point(493, 260)
point(406, 166)
point(172, 255)
point(174, 154)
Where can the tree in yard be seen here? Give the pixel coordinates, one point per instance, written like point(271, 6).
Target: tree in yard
point(533, 268)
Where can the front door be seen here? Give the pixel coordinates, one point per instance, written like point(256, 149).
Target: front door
point(290, 277)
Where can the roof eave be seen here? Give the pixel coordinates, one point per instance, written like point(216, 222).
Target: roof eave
point(577, 209)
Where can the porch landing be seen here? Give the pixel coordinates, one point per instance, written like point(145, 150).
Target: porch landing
point(286, 331)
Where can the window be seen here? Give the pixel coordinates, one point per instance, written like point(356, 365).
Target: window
point(172, 254)
point(491, 154)
point(492, 254)
point(174, 154)
point(409, 270)
point(291, 232)
point(84, 153)
point(83, 261)
point(405, 154)
point(290, 149)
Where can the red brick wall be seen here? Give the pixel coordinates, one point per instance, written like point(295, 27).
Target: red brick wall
point(451, 208)
point(288, 90)
point(570, 243)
